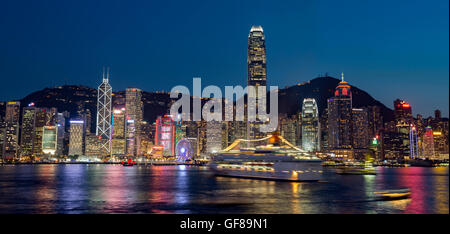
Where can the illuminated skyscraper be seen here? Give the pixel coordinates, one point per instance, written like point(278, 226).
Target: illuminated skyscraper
point(147, 139)
point(61, 133)
point(93, 145)
point(165, 135)
point(131, 137)
point(340, 117)
point(392, 143)
point(440, 145)
point(440, 127)
point(256, 74)
point(360, 121)
point(310, 125)
point(240, 130)
point(402, 113)
point(27, 136)
point(194, 143)
point(11, 135)
point(403, 121)
point(104, 100)
point(428, 143)
point(413, 144)
point(213, 136)
point(33, 122)
point(375, 121)
point(288, 128)
point(180, 129)
point(49, 140)
point(134, 116)
point(2, 134)
point(85, 114)
point(256, 57)
point(323, 121)
point(202, 136)
point(419, 123)
point(76, 141)
point(118, 132)
point(42, 119)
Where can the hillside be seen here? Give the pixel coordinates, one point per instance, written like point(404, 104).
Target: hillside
point(75, 99)
point(321, 89)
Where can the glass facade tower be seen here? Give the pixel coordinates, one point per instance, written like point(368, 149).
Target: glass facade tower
point(256, 75)
point(310, 125)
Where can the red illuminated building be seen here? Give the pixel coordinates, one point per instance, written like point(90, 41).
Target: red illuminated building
point(165, 135)
point(340, 117)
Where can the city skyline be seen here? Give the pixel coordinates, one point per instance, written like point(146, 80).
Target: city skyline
point(388, 105)
point(298, 48)
point(347, 133)
point(224, 107)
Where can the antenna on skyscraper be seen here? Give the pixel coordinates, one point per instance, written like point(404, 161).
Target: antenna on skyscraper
point(342, 76)
point(107, 74)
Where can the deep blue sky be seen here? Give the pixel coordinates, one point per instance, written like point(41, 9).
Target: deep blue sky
point(391, 49)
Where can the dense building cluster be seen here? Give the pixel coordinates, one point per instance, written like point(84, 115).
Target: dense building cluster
point(339, 131)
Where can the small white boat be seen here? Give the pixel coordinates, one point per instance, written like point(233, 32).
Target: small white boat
point(366, 169)
point(356, 171)
point(393, 194)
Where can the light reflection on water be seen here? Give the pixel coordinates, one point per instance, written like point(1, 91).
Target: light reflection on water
point(84, 188)
point(46, 189)
point(296, 206)
point(441, 193)
point(71, 190)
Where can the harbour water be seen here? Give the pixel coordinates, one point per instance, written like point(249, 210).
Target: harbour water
point(101, 188)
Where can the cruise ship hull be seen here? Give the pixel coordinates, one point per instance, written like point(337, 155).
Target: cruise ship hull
point(286, 171)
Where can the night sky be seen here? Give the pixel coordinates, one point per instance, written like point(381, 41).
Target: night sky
point(391, 49)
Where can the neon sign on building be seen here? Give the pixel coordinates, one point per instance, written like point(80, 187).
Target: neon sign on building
point(165, 135)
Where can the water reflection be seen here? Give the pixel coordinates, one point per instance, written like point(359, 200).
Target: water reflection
point(182, 186)
point(428, 186)
point(369, 185)
point(441, 198)
point(46, 189)
point(296, 197)
point(413, 180)
point(398, 204)
point(159, 185)
point(71, 189)
point(180, 189)
point(118, 189)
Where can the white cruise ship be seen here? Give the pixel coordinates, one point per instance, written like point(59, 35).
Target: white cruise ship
point(268, 162)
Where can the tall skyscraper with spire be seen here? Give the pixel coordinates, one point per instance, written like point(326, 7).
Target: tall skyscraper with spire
point(256, 57)
point(104, 100)
point(340, 117)
point(256, 74)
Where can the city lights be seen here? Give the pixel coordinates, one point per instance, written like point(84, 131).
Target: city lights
point(270, 126)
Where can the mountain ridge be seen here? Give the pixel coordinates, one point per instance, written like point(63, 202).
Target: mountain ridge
point(75, 98)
